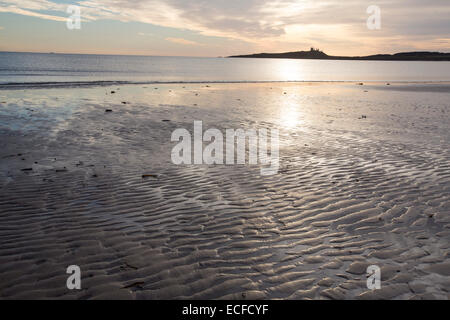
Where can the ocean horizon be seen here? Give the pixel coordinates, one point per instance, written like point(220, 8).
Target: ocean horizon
point(29, 70)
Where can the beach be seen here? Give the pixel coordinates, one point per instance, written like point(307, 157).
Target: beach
point(86, 179)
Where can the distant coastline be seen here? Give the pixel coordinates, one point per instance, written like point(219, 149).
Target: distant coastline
point(44, 70)
point(320, 55)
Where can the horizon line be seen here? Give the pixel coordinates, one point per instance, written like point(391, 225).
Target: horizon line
point(109, 54)
point(182, 56)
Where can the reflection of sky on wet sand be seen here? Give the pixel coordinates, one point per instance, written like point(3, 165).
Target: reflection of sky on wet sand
point(290, 113)
point(295, 106)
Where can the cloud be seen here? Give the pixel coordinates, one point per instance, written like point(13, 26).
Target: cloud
point(276, 24)
point(20, 11)
point(182, 41)
point(145, 34)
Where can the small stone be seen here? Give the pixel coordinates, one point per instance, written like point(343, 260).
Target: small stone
point(149, 176)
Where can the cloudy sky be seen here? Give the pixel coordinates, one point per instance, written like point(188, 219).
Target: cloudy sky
point(225, 27)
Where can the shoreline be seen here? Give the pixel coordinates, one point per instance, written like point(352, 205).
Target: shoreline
point(107, 83)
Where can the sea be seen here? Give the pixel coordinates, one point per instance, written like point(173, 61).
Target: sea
point(37, 70)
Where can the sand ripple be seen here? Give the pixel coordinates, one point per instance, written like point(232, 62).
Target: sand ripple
point(343, 200)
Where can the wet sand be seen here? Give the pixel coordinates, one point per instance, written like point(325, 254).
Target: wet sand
point(364, 180)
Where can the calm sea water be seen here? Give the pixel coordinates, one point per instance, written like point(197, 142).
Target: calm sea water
point(42, 69)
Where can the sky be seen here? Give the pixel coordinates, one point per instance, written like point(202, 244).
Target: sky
point(224, 27)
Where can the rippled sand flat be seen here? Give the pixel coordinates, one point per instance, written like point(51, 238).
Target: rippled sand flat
point(364, 180)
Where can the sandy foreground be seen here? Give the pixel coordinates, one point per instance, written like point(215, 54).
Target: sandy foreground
point(364, 180)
